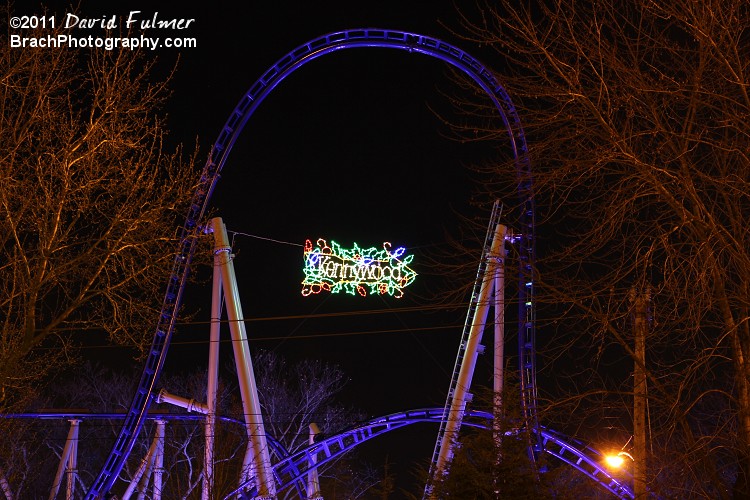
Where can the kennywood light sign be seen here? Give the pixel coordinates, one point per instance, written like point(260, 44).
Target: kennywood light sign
point(334, 269)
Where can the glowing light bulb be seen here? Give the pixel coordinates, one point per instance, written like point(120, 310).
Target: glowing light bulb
point(616, 461)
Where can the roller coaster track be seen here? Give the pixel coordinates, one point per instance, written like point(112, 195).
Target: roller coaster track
point(290, 470)
point(190, 231)
point(294, 468)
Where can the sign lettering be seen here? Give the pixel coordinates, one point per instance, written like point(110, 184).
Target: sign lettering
point(335, 269)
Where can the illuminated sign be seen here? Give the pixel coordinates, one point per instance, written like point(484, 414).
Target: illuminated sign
point(357, 270)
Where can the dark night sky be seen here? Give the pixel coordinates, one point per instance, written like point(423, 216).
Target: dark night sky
point(346, 148)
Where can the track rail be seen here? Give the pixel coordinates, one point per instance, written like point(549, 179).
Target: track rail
point(463, 345)
point(292, 469)
point(354, 38)
point(295, 467)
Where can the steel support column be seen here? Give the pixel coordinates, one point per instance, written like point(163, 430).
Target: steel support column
point(257, 461)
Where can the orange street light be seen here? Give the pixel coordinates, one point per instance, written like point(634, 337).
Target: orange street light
point(616, 461)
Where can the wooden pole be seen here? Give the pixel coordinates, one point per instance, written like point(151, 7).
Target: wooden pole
point(640, 327)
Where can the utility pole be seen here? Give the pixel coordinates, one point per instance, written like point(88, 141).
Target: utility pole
point(641, 300)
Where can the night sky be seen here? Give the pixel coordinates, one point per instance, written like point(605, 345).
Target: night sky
point(347, 149)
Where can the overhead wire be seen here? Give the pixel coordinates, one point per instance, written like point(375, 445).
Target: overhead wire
point(282, 338)
point(305, 317)
point(238, 233)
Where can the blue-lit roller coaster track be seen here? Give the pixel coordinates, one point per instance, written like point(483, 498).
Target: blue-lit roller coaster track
point(291, 469)
point(354, 38)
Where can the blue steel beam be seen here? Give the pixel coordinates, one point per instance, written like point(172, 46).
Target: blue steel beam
point(292, 469)
point(188, 236)
point(296, 466)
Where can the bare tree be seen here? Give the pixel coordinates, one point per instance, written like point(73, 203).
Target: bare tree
point(293, 396)
point(637, 118)
point(89, 202)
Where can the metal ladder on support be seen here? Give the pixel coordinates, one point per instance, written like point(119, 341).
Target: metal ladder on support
point(462, 349)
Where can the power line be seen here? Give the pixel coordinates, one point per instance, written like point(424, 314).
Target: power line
point(277, 338)
point(237, 233)
point(338, 314)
